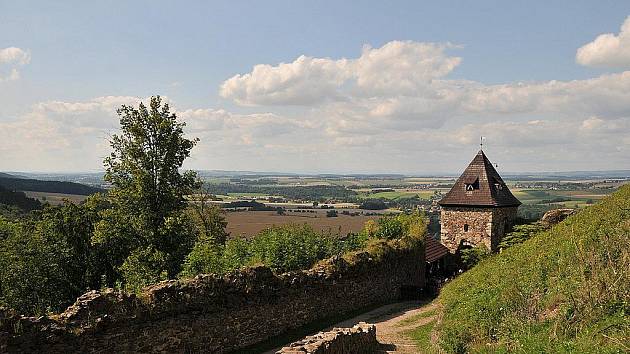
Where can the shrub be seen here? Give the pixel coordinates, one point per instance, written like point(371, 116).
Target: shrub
point(236, 254)
point(204, 258)
point(391, 227)
point(373, 204)
point(144, 266)
point(520, 234)
point(471, 256)
point(293, 247)
point(290, 247)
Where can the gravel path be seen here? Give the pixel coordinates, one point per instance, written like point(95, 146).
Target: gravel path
point(390, 324)
point(390, 327)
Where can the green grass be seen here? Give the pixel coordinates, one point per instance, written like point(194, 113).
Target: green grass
point(417, 317)
point(422, 336)
point(576, 197)
point(566, 290)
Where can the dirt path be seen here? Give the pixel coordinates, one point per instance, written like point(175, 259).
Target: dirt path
point(391, 325)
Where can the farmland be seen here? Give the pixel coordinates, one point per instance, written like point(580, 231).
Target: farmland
point(248, 223)
point(55, 198)
point(347, 194)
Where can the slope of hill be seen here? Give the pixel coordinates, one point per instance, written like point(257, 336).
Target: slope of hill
point(24, 184)
point(10, 199)
point(6, 175)
point(564, 290)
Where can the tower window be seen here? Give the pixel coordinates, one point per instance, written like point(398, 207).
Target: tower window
point(471, 183)
point(465, 227)
point(498, 184)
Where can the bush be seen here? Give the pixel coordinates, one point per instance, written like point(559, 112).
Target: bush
point(520, 234)
point(471, 256)
point(373, 204)
point(288, 248)
point(204, 258)
point(293, 247)
point(281, 248)
point(396, 226)
point(144, 266)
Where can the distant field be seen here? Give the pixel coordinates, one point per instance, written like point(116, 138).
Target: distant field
point(55, 198)
point(247, 195)
point(423, 194)
point(249, 223)
point(579, 197)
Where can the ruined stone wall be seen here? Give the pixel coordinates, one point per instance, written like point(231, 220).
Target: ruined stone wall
point(218, 313)
point(359, 339)
point(485, 226)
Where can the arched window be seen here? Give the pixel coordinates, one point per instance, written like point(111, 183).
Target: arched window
point(465, 227)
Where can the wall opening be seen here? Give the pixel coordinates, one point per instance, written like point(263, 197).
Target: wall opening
point(465, 227)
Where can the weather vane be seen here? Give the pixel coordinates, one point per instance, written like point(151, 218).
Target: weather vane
point(481, 139)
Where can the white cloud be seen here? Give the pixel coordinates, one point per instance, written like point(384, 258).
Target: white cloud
point(10, 60)
point(304, 81)
point(397, 101)
point(398, 67)
point(61, 135)
point(607, 50)
point(402, 67)
point(390, 109)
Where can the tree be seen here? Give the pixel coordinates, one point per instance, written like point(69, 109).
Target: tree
point(46, 262)
point(148, 194)
point(208, 218)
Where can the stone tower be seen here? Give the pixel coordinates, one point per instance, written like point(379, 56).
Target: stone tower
point(478, 209)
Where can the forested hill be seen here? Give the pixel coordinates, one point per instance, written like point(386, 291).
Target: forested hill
point(6, 175)
point(564, 290)
point(35, 185)
point(18, 199)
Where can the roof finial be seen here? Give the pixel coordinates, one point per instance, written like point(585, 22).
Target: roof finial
point(481, 139)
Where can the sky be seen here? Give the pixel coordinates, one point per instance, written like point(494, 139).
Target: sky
point(322, 86)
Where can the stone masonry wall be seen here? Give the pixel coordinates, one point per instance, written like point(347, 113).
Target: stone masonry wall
point(359, 339)
point(453, 219)
point(502, 220)
point(485, 226)
point(218, 314)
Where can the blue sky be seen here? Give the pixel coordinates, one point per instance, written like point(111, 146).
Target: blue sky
point(75, 53)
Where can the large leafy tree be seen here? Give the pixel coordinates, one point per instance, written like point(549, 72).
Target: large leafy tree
point(148, 191)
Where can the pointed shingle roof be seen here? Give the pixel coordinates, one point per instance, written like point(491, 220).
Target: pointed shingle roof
point(480, 185)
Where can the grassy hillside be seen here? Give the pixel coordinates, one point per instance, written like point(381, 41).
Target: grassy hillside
point(564, 290)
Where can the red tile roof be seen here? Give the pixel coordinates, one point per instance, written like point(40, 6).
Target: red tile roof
point(480, 185)
point(433, 250)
